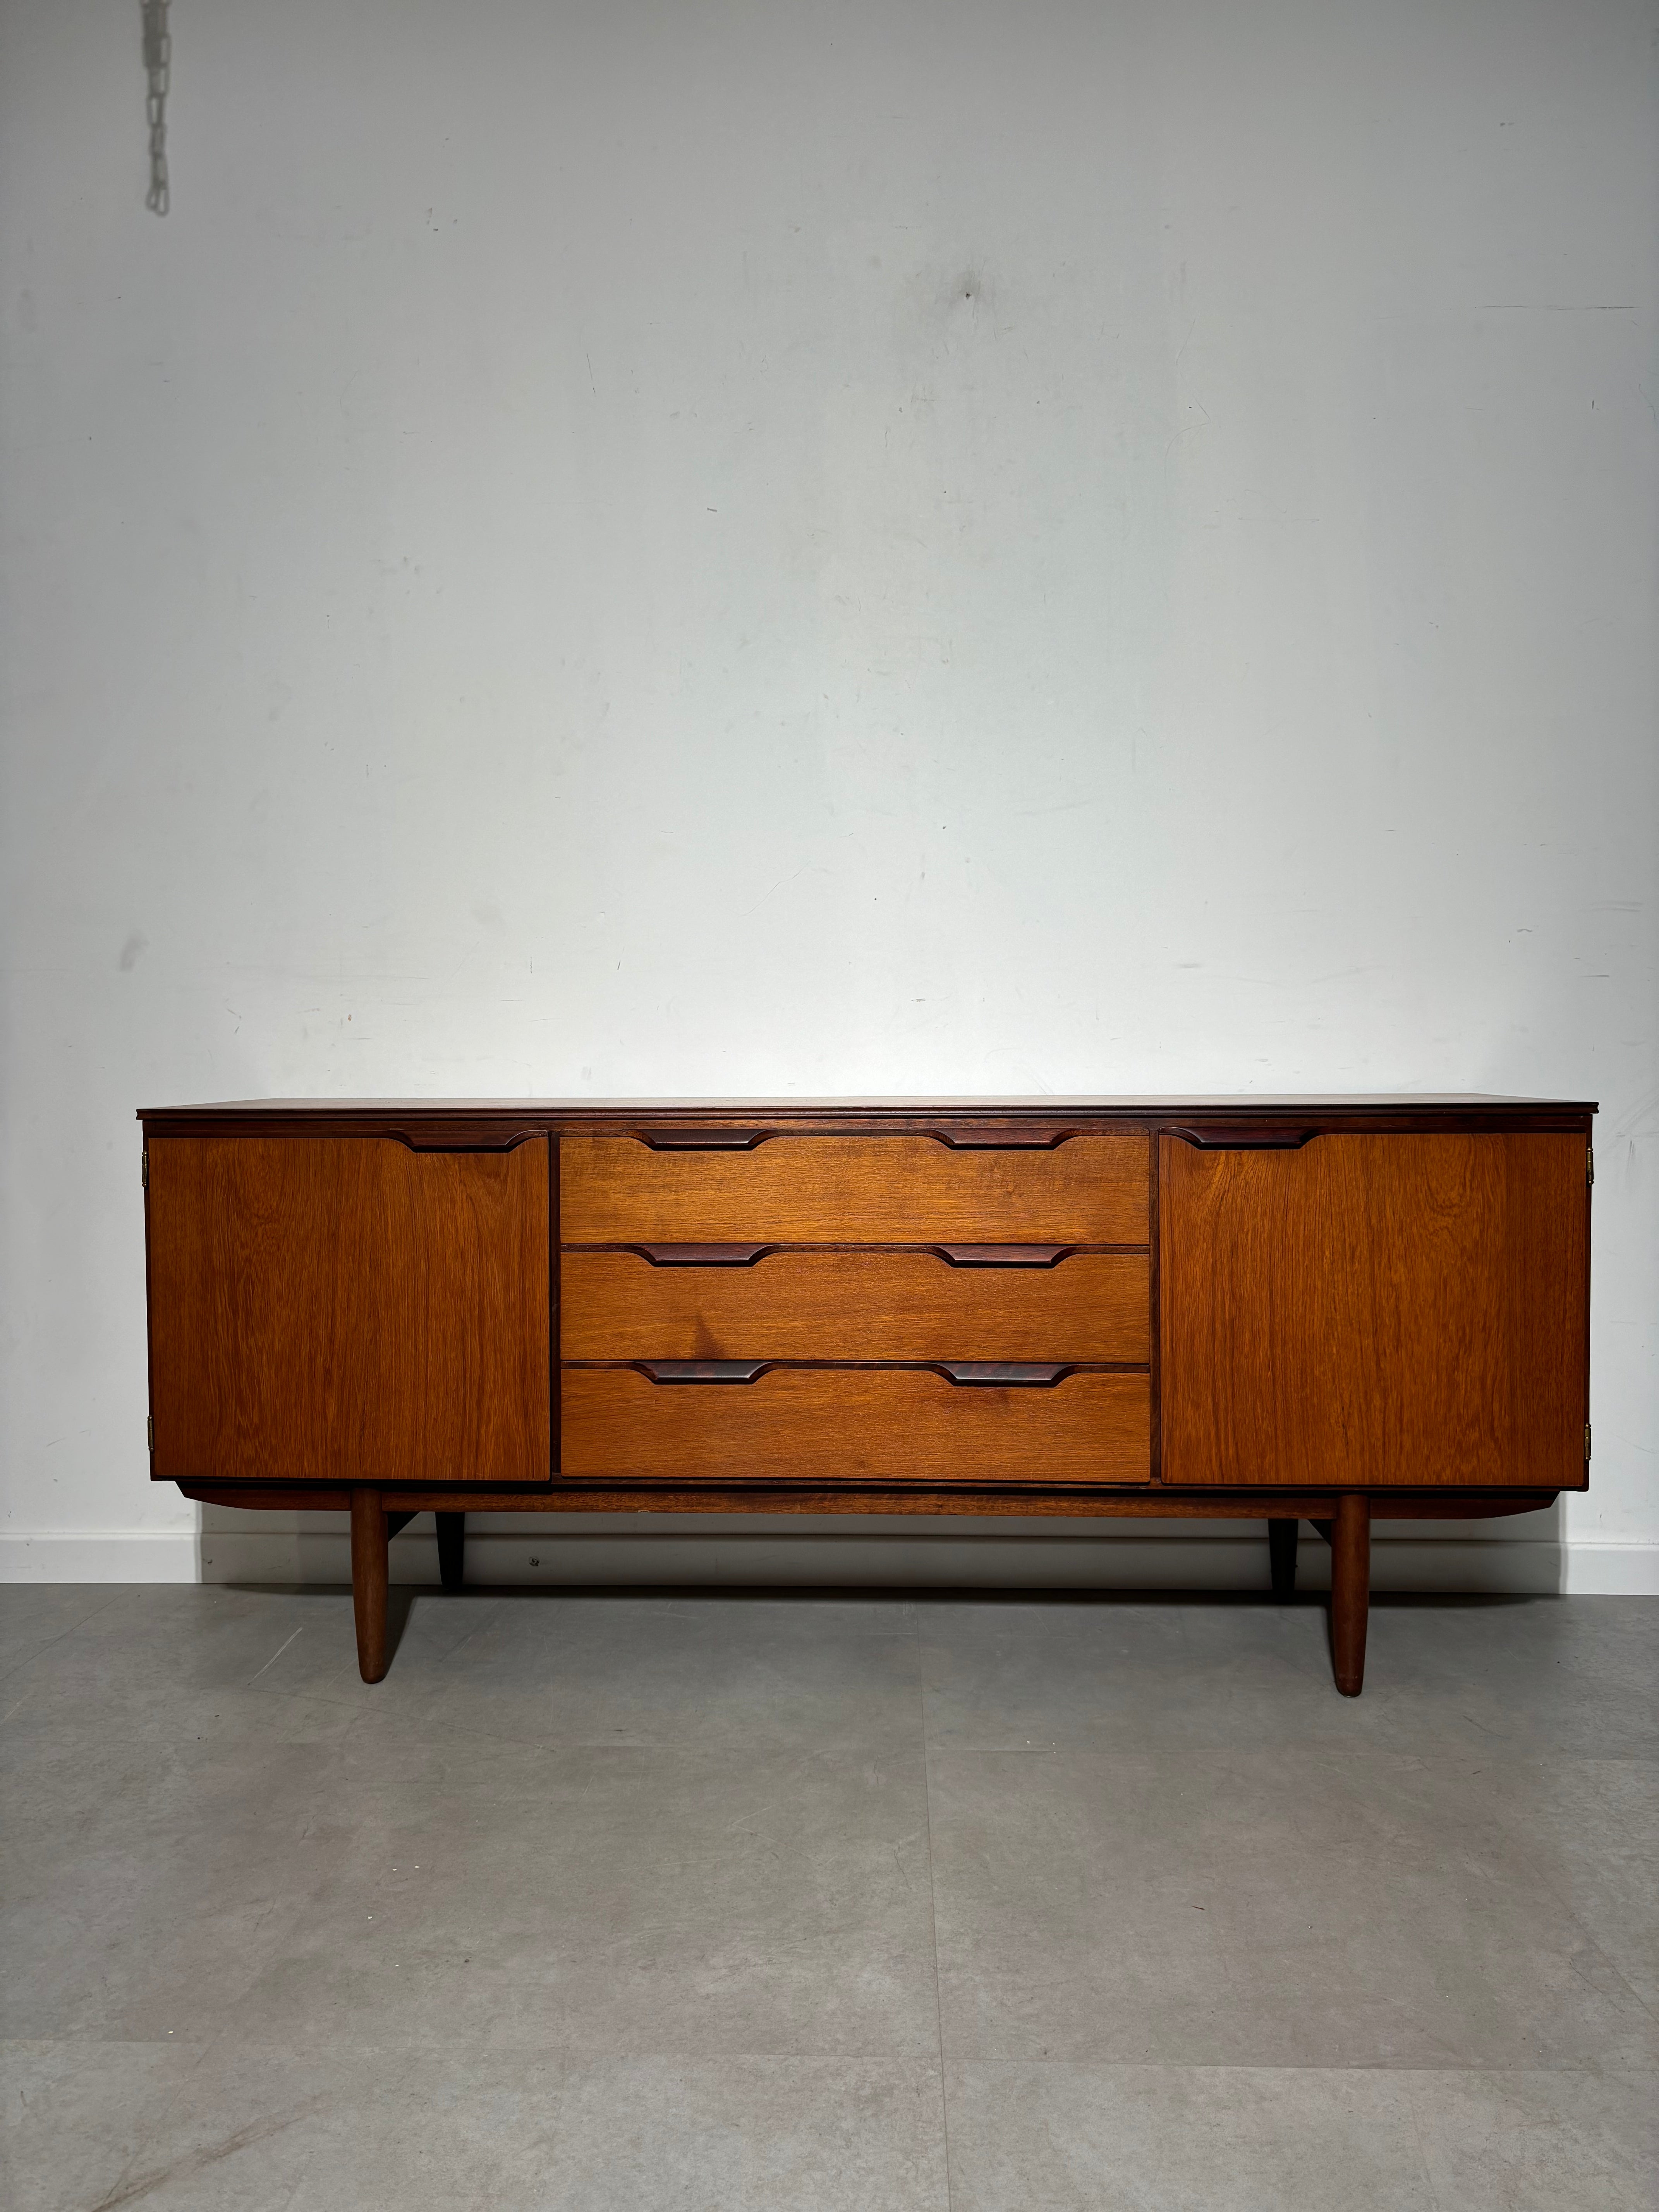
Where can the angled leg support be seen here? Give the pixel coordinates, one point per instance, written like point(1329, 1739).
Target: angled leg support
point(1281, 1559)
point(451, 1548)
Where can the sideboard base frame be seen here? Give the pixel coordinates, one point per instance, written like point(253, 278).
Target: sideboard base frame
point(1343, 1517)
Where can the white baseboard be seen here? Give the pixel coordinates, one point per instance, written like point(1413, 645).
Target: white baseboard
point(1601, 1567)
point(949, 1555)
point(99, 1555)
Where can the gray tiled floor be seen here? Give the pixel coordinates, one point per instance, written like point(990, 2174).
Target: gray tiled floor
point(941, 1905)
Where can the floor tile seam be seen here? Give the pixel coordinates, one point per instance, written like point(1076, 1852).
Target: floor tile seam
point(74, 1629)
point(1576, 2070)
point(121, 2189)
point(451, 2051)
point(932, 1941)
point(1344, 1759)
point(1382, 2069)
point(776, 1752)
point(1535, 1870)
point(529, 1604)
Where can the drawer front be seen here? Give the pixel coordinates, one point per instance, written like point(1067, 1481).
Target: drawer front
point(1089, 1189)
point(856, 1305)
point(828, 1424)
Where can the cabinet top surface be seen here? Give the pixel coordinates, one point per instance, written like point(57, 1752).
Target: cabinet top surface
point(1242, 1103)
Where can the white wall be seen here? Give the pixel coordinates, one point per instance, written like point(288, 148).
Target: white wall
point(612, 548)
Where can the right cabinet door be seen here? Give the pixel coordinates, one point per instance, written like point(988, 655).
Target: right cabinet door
point(1375, 1310)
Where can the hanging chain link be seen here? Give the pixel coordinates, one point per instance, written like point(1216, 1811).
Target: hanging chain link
point(158, 65)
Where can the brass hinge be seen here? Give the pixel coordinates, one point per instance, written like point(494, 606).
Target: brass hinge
point(143, 1168)
point(149, 1433)
point(1589, 1163)
point(1587, 1441)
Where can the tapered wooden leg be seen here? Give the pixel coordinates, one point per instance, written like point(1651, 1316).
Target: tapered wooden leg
point(369, 1579)
point(1351, 1590)
point(1281, 1557)
point(451, 1548)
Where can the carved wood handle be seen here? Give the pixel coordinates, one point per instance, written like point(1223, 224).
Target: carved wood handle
point(702, 1255)
point(703, 1140)
point(1001, 1140)
point(1003, 1256)
point(954, 1256)
point(1246, 1138)
point(703, 1370)
point(1000, 1374)
point(964, 1374)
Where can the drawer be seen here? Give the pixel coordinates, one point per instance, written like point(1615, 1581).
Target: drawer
point(1087, 1189)
point(825, 1424)
point(856, 1305)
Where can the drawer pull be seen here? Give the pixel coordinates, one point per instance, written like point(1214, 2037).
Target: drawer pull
point(1002, 1140)
point(1000, 1374)
point(702, 1255)
point(1246, 1139)
point(954, 1256)
point(703, 1140)
point(1003, 1256)
point(703, 1370)
point(964, 1374)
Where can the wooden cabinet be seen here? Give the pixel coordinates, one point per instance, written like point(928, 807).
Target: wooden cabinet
point(1327, 1310)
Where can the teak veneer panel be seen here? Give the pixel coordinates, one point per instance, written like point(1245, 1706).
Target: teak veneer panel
point(342, 1308)
point(1092, 1189)
point(816, 1425)
point(856, 1305)
point(1408, 1308)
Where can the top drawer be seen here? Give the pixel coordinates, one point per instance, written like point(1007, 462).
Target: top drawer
point(1089, 1189)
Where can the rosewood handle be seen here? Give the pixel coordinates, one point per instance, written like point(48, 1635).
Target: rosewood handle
point(702, 1255)
point(1000, 1140)
point(703, 1140)
point(954, 1256)
point(1245, 1140)
point(703, 1370)
point(1000, 1374)
point(965, 1374)
point(483, 1140)
point(1003, 1256)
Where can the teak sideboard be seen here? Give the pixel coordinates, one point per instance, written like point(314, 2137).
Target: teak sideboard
point(1326, 1310)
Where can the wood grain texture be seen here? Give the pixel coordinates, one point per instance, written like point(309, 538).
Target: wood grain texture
point(1092, 1190)
point(344, 1309)
point(808, 1425)
point(856, 1305)
point(1375, 1310)
point(1073, 1503)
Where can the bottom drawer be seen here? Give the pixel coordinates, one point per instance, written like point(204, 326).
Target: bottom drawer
point(849, 1424)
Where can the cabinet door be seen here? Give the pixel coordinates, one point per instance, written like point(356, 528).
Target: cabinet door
point(344, 1309)
point(1375, 1310)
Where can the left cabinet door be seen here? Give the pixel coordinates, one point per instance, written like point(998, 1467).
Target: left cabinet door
point(344, 1309)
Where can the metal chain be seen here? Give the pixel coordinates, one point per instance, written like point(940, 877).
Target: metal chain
point(158, 65)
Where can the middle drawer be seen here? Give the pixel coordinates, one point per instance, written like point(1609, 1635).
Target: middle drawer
point(856, 1305)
